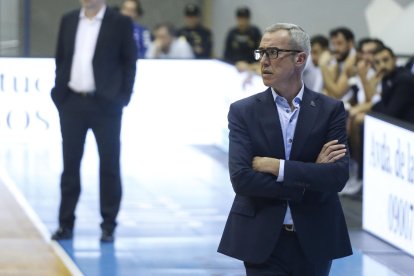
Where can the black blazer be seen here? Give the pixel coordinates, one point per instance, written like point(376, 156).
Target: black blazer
point(259, 207)
point(114, 61)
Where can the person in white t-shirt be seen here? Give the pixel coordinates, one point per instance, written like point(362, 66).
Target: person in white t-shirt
point(336, 66)
point(368, 82)
point(312, 75)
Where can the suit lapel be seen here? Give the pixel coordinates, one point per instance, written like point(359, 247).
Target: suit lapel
point(309, 110)
point(103, 30)
point(270, 123)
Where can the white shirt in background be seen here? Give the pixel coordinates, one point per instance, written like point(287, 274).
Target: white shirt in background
point(312, 76)
point(179, 49)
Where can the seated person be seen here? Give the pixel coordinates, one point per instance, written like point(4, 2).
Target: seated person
point(242, 40)
point(397, 97)
point(196, 34)
point(312, 75)
point(167, 46)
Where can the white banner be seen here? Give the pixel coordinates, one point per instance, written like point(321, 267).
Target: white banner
point(26, 109)
point(388, 197)
point(181, 100)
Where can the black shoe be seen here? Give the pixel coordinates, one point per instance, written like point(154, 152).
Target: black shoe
point(62, 234)
point(107, 236)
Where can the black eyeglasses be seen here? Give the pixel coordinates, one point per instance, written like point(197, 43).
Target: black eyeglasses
point(271, 52)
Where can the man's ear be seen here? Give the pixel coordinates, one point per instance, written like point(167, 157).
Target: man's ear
point(301, 58)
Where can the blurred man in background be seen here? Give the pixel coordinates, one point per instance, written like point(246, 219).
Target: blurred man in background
point(365, 68)
point(142, 35)
point(336, 69)
point(95, 71)
point(312, 75)
point(197, 35)
point(167, 45)
point(367, 82)
point(241, 41)
point(397, 96)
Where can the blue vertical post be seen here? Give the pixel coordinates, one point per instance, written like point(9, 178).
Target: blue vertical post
point(26, 28)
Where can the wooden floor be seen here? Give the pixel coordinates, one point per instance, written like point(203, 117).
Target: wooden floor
point(23, 249)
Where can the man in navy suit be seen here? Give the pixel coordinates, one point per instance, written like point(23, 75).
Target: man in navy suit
point(288, 160)
point(95, 72)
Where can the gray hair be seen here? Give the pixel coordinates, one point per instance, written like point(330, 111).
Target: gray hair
point(299, 39)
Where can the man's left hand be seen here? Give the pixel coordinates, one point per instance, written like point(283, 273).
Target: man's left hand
point(266, 165)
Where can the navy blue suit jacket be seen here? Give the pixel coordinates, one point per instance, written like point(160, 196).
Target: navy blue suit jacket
point(114, 61)
point(259, 207)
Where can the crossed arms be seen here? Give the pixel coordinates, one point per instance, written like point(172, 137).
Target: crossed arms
point(256, 176)
point(330, 152)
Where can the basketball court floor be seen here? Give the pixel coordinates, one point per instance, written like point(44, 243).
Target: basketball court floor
point(176, 200)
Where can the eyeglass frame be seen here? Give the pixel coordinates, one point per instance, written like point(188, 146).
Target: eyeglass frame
point(263, 51)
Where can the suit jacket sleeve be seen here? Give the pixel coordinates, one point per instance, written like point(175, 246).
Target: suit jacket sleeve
point(59, 47)
point(327, 177)
point(57, 94)
point(244, 179)
point(129, 58)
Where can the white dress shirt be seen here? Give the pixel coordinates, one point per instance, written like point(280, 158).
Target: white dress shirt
point(81, 75)
point(312, 76)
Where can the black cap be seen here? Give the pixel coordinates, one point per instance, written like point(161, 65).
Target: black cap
point(243, 12)
point(191, 10)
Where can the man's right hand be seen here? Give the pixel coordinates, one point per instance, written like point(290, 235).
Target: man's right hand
point(331, 152)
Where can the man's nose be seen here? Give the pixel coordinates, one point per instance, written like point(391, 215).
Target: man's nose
point(265, 59)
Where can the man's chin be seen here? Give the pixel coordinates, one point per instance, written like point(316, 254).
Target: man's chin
point(340, 58)
point(267, 83)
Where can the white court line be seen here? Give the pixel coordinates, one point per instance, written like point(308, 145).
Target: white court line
point(44, 232)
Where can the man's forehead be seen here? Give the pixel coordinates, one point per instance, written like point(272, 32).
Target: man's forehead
point(277, 33)
point(317, 46)
point(278, 37)
point(369, 45)
point(338, 36)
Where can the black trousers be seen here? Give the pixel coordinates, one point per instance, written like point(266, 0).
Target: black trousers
point(288, 259)
point(77, 115)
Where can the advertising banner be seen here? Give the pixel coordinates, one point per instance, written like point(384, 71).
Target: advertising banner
point(388, 196)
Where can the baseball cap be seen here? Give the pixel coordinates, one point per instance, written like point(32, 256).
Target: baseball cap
point(243, 12)
point(191, 10)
